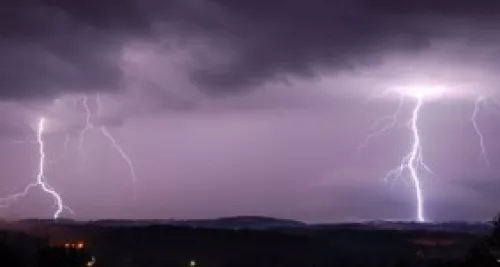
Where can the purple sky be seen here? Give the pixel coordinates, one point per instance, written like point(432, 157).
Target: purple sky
point(236, 107)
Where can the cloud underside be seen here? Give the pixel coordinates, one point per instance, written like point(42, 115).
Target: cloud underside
point(52, 47)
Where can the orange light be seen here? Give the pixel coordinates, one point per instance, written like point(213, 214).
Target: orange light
point(80, 245)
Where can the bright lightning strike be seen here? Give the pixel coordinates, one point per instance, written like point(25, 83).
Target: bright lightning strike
point(413, 161)
point(477, 106)
point(40, 178)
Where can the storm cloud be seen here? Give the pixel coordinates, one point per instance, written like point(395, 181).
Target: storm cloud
point(53, 47)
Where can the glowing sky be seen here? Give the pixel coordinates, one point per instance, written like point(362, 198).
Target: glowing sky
point(242, 107)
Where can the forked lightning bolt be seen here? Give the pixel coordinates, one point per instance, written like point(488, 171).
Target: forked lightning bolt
point(388, 122)
point(477, 106)
point(40, 178)
point(413, 162)
point(114, 143)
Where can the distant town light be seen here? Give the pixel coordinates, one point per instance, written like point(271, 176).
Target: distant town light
point(91, 262)
point(192, 263)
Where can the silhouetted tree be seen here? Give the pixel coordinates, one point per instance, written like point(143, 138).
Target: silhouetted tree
point(481, 254)
point(495, 236)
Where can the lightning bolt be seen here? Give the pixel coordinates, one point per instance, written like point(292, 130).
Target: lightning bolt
point(477, 106)
point(106, 133)
point(40, 178)
point(390, 122)
point(413, 162)
point(114, 143)
point(41, 181)
point(88, 126)
point(122, 153)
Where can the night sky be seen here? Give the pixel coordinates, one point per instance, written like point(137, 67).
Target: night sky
point(245, 107)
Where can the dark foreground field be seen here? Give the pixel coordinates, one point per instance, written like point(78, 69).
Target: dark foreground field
point(245, 241)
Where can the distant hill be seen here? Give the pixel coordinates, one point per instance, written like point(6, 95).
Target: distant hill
point(243, 222)
point(264, 223)
point(240, 222)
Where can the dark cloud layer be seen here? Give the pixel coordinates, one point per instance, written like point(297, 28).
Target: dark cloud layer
point(45, 51)
point(279, 38)
point(462, 8)
point(53, 46)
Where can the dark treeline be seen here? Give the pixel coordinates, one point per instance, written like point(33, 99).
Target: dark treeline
point(184, 246)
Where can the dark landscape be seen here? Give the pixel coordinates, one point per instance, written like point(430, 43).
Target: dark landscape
point(245, 241)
